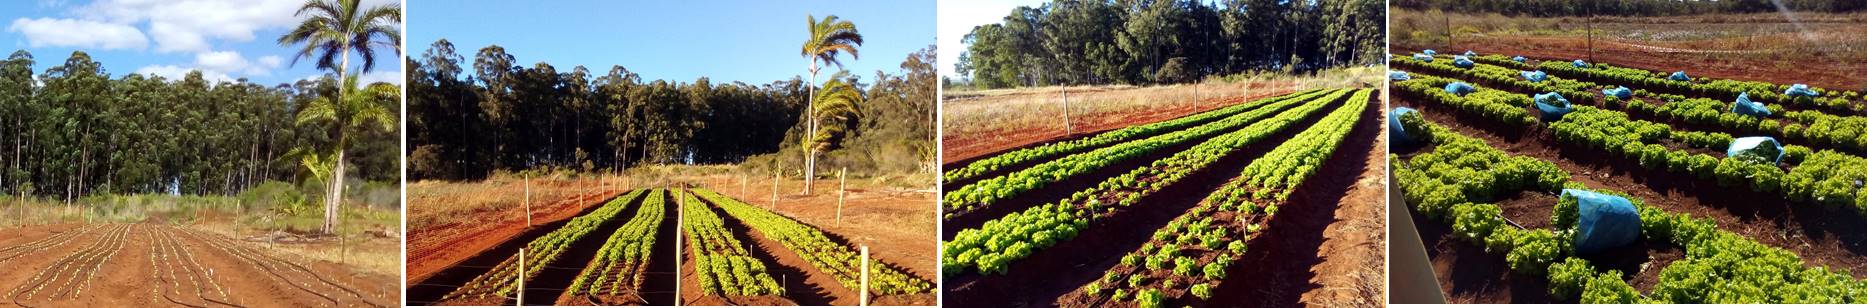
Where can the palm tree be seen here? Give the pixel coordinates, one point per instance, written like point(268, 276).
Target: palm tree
point(331, 29)
point(828, 38)
point(839, 104)
point(357, 111)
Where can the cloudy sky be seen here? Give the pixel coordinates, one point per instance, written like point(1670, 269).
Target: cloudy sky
point(225, 39)
point(752, 41)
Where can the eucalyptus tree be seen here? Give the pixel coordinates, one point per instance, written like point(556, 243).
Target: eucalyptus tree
point(330, 31)
point(828, 39)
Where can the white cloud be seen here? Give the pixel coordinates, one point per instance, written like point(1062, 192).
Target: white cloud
point(271, 61)
point(177, 73)
point(191, 25)
point(42, 32)
point(392, 77)
point(232, 62)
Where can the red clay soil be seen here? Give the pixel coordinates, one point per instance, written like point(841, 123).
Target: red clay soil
point(1786, 69)
point(139, 265)
point(954, 149)
point(1822, 237)
point(1353, 272)
point(431, 251)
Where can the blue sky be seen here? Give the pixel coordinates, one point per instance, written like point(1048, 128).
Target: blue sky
point(752, 41)
point(225, 39)
point(957, 17)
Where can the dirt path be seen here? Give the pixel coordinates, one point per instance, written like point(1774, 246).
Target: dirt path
point(137, 265)
point(1353, 272)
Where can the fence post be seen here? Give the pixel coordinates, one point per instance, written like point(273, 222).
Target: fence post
point(521, 278)
point(528, 201)
point(1067, 129)
point(865, 275)
point(842, 190)
point(774, 191)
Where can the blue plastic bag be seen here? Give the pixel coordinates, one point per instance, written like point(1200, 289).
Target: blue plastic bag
point(1398, 76)
point(1519, 59)
point(1680, 76)
point(1469, 53)
point(1579, 64)
point(1535, 76)
point(1394, 129)
point(1459, 88)
point(1745, 106)
point(1621, 93)
point(1765, 147)
point(1603, 221)
point(1800, 90)
point(1461, 62)
point(1423, 58)
point(1430, 52)
point(1551, 106)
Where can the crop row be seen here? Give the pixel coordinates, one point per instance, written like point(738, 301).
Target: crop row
point(1614, 133)
point(1707, 87)
point(839, 261)
point(989, 248)
point(502, 280)
point(986, 192)
point(1201, 244)
point(623, 260)
point(725, 266)
point(1052, 150)
point(1719, 266)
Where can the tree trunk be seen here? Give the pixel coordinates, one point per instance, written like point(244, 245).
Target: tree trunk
point(332, 200)
point(810, 129)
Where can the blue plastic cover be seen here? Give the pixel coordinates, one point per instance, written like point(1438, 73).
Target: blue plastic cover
point(1746, 107)
point(1800, 90)
point(1519, 59)
point(1423, 57)
point(1761, 146)
point(1398, 75)
point(1394, 129)
point(1461, 62)
point(1603, 221)
point(1469, 53)
point(1551, 106)
point(1680, 76)
point(1535, 76)
point(1621, 93)
point(1579, 64)
point(1459, 88)
point(1430, 52)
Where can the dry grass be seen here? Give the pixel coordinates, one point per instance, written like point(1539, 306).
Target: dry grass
point(967, 113)
point(436, 203)
point(1761, 36)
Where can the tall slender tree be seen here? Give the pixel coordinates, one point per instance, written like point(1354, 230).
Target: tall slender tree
point(828, 39)
point(331, 29)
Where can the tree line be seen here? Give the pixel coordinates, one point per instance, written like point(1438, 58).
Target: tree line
point(1077, 42)
point(467, 120)
point(72, 131)
point(1541, 8)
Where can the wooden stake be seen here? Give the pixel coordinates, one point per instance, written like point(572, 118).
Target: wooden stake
point(1067, 130)
point(528, 202)
point(842, 190)
point(865, 275)
point(521, 278)
point(774, 191)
